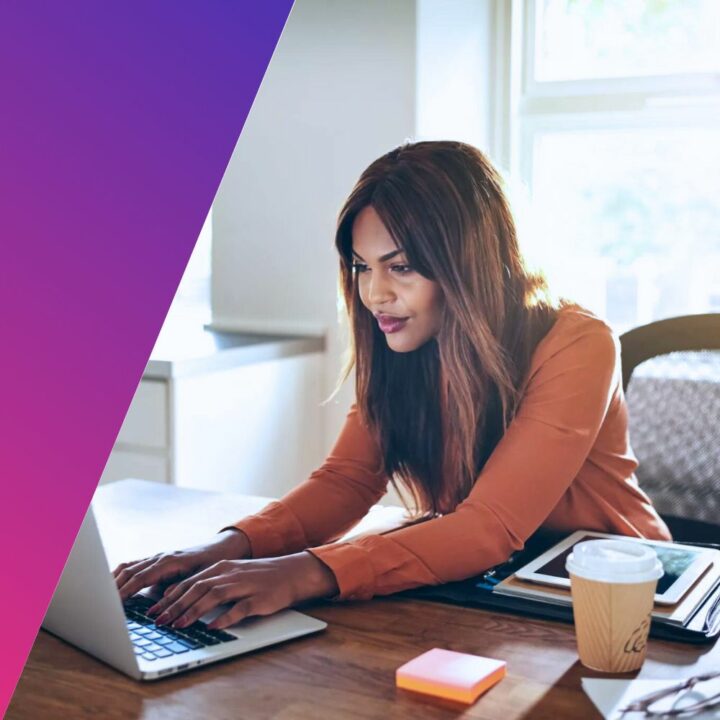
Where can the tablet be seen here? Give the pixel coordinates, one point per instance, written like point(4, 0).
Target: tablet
point(683, 564)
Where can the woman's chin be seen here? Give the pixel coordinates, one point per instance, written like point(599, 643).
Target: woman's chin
point(399, 344)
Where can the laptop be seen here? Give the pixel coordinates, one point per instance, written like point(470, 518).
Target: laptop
point(87, 612)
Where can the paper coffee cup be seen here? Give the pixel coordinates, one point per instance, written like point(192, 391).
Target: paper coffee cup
point(613, 586)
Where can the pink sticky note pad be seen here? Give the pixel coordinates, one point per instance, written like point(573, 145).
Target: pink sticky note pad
point(453, 675)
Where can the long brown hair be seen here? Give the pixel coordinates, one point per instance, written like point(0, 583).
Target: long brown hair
point(438, 412)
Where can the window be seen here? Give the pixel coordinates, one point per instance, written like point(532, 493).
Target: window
point(617, 136)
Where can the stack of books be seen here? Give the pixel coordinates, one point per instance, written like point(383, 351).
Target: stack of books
point(684, 613)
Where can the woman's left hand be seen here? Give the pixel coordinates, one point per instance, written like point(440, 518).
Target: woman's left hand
point(255, 587)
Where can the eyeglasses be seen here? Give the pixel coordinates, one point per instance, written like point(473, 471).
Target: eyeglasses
point(685, 703)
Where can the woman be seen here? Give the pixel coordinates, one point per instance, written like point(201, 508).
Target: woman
point(499, 412)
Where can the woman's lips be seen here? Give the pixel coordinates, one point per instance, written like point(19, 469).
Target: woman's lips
point(391, 324)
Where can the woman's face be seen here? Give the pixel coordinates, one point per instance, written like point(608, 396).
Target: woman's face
point(407, 306)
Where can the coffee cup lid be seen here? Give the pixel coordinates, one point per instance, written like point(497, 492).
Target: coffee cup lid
point(614, 561)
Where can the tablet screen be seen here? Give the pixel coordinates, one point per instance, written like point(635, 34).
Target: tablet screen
point(675, 562)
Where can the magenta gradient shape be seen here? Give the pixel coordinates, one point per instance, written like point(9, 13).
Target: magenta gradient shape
point(117, 121)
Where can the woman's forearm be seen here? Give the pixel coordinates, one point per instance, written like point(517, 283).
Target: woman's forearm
point(313, 578)
point(237, 544)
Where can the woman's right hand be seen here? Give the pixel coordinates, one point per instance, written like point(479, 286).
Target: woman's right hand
point(131, 577)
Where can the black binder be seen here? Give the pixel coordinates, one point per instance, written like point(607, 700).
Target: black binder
point(478, 592)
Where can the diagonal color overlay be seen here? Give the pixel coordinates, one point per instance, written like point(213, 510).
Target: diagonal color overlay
point(117, 121)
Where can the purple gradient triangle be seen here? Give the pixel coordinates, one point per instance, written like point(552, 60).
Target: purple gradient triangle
point(117, 121)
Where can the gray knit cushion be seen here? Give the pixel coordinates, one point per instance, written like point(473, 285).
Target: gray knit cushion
point(674, 406)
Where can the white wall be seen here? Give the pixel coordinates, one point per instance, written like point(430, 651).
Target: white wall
point(456, 70)
point(339, 91)
point(244, 429)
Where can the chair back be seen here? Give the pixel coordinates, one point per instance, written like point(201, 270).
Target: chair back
point(674, 407)
point(677, 334)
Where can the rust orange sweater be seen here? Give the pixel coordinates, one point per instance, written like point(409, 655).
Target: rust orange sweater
point(564, 463)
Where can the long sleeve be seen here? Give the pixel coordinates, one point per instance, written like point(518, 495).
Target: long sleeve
point(328, 503)
point(573, 379)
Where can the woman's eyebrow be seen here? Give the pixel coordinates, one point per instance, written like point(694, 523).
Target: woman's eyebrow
point(382, 258)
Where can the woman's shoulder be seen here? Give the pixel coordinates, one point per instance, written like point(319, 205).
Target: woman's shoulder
point(577, 333)
point(572, 317)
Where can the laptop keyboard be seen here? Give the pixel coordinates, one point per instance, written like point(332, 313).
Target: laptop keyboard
point(151, 641)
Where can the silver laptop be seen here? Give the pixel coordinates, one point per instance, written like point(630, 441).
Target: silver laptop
point(86, 611)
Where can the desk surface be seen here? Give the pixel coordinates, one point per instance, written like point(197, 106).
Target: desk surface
point(345, 672)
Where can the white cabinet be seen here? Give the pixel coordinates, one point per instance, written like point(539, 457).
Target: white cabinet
point(252, 426)
point(146, 422)
point(143, 445)
point(135, 463)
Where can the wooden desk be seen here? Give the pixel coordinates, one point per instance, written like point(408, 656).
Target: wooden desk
point(345, 672)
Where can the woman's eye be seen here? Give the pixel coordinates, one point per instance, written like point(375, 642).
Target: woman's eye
point(401, 269)
point(359, 268)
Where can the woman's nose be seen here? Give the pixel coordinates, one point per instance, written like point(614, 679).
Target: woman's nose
point(379, 290)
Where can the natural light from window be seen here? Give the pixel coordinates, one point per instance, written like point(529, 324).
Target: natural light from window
point(625, 182)
point(629, 219)
point(578, 39)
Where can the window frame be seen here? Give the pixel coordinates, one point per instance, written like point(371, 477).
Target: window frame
point(528, 107)
point(677, 85)
point(651, 101)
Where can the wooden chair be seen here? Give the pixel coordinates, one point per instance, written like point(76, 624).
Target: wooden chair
point(686, 333)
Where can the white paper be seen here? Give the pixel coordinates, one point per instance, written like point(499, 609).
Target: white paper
point(610, 696)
